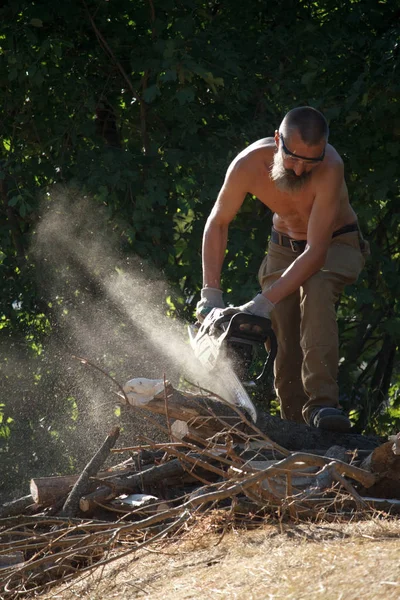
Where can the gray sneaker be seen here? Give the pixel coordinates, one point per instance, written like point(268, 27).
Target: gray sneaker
point(330, 418)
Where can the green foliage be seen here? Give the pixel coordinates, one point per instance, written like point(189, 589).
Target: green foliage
point(142, 106)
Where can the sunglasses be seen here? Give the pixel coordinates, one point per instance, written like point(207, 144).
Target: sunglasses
point(297, 156)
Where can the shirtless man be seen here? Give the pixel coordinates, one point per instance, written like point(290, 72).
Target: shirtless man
point(315, 249)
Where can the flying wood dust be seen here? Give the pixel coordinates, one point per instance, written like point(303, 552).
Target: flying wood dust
point(107, 307)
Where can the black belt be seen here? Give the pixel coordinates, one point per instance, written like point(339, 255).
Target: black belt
point(300, 245)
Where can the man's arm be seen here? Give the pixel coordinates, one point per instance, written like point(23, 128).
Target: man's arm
point(319, 236)
point(215, 239)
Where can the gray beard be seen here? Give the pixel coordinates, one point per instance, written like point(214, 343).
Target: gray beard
point(286, 180)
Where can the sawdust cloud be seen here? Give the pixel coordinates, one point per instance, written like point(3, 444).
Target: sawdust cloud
point(109, 305)
point(104, 306)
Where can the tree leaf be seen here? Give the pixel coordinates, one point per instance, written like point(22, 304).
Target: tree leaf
point(185, 95)
point(151, 93)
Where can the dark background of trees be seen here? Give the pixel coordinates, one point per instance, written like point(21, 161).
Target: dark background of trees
point(118, 121)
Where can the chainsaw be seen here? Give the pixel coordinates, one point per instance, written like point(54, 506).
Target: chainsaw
point(227, 346)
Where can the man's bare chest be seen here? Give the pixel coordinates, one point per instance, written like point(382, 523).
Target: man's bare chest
point(286, 205)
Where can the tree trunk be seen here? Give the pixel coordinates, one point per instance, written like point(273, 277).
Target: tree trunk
point(216, 416)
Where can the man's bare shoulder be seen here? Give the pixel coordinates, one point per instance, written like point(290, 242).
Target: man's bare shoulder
point(256, 154)
point(256, 149)
point(332, 166)
point(332, 156)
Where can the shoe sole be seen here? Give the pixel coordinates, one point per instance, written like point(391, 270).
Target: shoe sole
point(332, 423)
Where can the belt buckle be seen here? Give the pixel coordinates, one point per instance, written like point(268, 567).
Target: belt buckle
point(293, 245)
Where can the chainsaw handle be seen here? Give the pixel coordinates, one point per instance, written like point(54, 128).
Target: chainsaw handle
point(221, 320)
point(270, 359)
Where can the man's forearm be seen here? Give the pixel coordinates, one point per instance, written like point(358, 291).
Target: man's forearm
point(215, 240)
point(299, 271)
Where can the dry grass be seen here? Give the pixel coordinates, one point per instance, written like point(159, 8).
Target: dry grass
point(191, 551)
point(278, 561)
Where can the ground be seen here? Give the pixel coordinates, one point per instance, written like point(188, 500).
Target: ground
point(351, 561)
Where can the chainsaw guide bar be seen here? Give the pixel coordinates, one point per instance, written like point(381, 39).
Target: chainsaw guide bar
point(225, 346)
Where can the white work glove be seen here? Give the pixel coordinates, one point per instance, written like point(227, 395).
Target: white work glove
point(140, 390)
point(259, 306)
point(210, 298)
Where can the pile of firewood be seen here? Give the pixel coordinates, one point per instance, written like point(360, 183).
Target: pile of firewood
point(216, 457)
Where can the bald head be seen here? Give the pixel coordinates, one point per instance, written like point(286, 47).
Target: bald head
point(308, 122)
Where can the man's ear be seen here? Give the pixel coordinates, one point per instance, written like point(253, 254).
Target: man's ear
point(276, 136)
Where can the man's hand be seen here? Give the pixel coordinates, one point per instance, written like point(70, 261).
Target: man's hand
point(210, 298)
point(259, 306)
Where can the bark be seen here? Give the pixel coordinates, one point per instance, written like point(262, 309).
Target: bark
point(47, 490)
point(385, 465)
point(71, 505)
point(16, 507)
point(213, 415)
point(170, 473)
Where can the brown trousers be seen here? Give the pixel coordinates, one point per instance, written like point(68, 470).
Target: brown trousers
point(306, 365)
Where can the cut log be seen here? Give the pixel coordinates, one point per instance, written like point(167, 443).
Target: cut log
point(16, 507)
point(385, 464)
point(170, 473)
point(47, 490)
point(396, 443)
point(205, 411)
point(182, 431)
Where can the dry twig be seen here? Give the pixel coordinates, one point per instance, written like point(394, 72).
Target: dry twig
point(57, 548)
